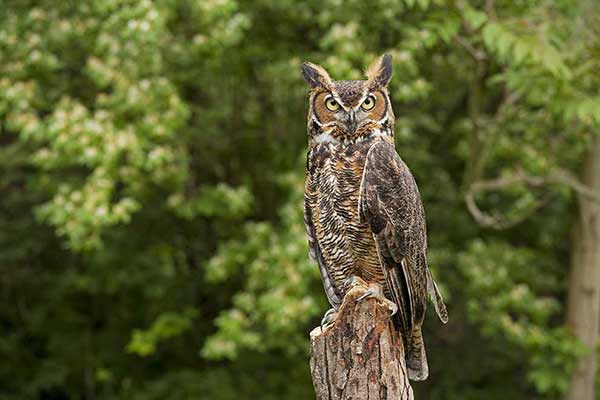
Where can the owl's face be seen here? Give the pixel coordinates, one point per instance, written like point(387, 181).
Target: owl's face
point(343, 112)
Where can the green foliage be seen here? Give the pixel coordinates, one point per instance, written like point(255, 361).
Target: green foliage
point(505, 300)
point(267, 314)
point(151, 176)
point(220, 200)
point(166, 326)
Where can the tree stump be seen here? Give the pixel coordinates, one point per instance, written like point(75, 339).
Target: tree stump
point(361, 355)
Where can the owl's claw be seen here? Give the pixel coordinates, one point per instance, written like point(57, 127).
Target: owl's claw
point(377, 292)
point(352, 281)
point(328, 318)
point(393, 308)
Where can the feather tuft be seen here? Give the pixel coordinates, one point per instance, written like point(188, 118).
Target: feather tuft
point(315, 75)
point(379, 72)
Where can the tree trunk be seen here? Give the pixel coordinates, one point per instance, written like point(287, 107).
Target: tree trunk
point(360, 356)
point(583, 308)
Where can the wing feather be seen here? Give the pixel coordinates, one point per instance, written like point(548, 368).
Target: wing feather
point(390, 202)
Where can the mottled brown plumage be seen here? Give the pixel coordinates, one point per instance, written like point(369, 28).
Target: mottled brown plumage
point(363, 212)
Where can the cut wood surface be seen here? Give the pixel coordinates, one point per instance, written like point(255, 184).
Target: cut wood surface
point(361, 355)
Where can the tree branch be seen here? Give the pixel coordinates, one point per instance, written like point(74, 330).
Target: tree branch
point(490, 9)
point(560, 176)
point(477, 54)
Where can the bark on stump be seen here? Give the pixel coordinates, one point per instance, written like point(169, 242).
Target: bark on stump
point(360, 356)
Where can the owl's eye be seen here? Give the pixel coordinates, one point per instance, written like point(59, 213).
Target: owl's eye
point(369, 103)
point(331, 104)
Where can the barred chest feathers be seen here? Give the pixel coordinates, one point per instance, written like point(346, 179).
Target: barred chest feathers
point(345, 245)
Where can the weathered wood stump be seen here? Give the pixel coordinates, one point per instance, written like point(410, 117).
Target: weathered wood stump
point(361, 355)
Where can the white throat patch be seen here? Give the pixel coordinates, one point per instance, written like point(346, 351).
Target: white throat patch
point(325, 137)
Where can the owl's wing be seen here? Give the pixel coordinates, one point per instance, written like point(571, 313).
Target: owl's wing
point(390, 202)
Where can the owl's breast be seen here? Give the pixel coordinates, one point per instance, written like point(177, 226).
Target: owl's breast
point(332, 192)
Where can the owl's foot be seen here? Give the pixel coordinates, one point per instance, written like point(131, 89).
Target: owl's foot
point(353, 281)
point(328, 318)
point(375, 290)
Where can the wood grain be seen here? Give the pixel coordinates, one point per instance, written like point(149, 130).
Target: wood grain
point(360, 356)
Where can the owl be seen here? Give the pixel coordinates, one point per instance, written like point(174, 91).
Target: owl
point(362, 209)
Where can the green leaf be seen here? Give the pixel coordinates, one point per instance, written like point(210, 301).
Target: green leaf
point(475, 18)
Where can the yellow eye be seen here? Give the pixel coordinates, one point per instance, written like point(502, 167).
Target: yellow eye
point(369, 103)
point(331, 104)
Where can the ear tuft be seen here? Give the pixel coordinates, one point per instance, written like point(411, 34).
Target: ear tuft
point(380, 71)
point(315, 75)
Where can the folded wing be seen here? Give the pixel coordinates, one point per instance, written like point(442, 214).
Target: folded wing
point(390, 202)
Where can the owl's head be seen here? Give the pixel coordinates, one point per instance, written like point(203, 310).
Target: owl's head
point(343, 112)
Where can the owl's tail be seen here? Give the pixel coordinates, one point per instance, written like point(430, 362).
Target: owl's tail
point(416, 359)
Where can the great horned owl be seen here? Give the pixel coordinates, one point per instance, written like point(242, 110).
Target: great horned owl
point(362, 209)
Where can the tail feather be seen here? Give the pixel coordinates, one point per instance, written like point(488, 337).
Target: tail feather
point(437, 299)
point(416, 359)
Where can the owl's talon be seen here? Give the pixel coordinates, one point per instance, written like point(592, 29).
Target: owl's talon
point(352, 281)
point(328, 318)
point(377, 292)
point(371, 292)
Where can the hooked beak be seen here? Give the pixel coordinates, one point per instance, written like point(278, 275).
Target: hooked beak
point(350, 122)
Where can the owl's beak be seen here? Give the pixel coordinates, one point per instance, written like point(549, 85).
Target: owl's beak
point(350, 122)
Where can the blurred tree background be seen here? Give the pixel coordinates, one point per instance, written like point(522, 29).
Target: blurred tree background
point(151, 180)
